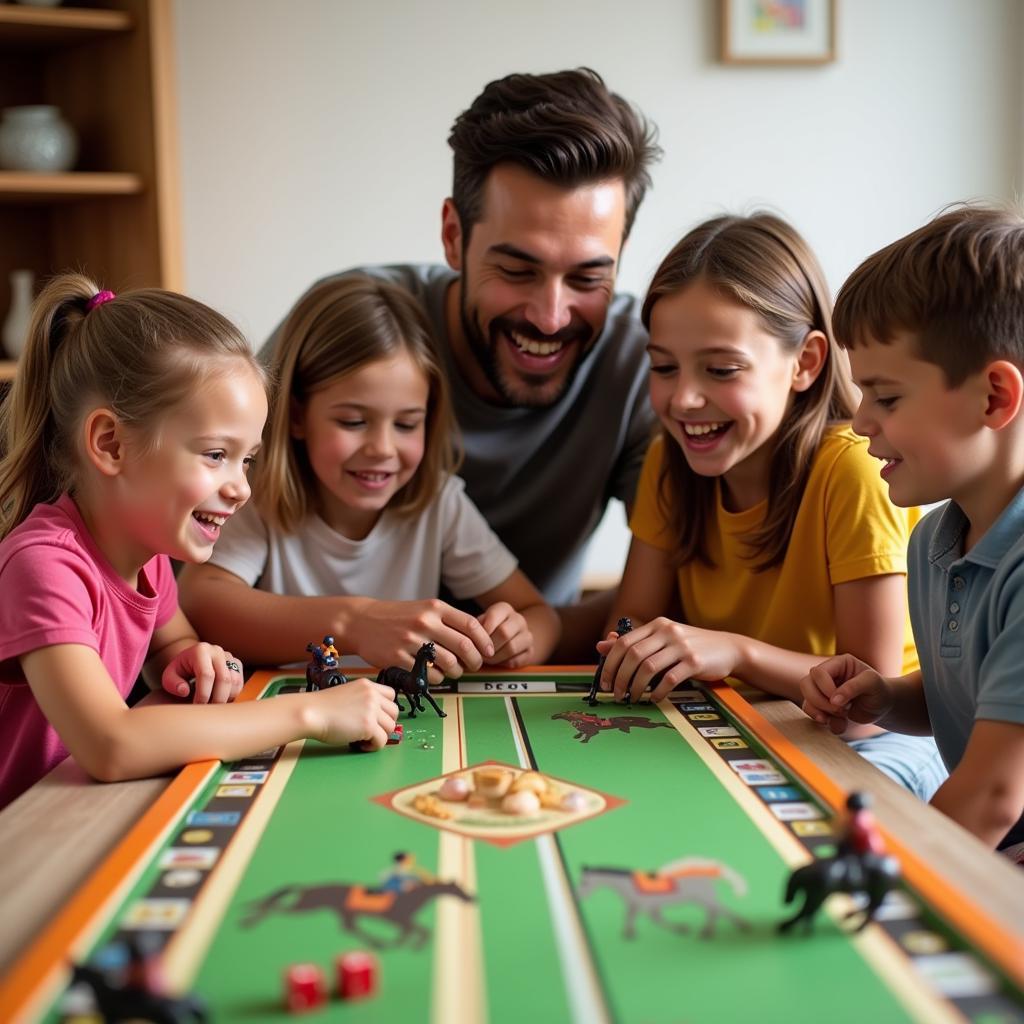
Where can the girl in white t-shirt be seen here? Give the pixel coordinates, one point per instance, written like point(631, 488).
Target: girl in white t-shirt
point(357, 518)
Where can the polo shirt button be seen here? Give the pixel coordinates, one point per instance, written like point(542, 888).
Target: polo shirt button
point(958, 583)
point(953, 625)
point(954, 607)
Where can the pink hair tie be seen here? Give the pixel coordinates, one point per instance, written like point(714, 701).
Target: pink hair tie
point(98, 299)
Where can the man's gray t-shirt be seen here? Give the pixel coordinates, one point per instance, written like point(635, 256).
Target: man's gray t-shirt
point(543, 477)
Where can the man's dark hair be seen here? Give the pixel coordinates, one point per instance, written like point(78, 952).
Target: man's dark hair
point(565, 127)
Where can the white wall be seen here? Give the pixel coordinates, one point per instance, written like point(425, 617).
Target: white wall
point(313, 131)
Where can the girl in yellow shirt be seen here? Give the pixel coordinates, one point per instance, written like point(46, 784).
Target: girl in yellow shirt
point(758, 510)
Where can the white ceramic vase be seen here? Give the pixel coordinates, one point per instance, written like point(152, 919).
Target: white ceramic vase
point(19, 315)
point(36, 138)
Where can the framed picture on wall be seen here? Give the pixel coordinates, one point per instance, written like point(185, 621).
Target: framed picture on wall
point(778, 31)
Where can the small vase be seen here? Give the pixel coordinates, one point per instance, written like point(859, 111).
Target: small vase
point(36, 138)
point(15, 330)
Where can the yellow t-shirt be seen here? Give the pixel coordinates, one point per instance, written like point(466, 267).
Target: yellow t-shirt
point(846, 529)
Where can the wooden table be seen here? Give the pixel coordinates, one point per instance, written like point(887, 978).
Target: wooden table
point(56, 834)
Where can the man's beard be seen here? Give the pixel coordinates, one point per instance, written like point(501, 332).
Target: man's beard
point(522, 390)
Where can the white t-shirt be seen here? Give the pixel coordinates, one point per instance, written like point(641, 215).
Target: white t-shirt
point(404, 558)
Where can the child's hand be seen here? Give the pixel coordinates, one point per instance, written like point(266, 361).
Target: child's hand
point(681, 652)
point(392, 632)
point(217, 674)
point(510, 634)
point(361, 711)
point(844, 689)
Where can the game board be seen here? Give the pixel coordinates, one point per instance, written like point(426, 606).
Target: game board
point(652, 894)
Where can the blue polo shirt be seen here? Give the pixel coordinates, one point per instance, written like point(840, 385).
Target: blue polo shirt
point(967, 612)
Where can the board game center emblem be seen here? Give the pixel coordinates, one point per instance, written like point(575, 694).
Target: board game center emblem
point(498, 803)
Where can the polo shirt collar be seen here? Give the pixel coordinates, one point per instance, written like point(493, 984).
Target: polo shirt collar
point(947, 541)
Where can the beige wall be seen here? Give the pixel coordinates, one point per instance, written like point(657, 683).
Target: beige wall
point(313, 131)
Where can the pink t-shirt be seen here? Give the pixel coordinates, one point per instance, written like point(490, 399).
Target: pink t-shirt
point(56, 587)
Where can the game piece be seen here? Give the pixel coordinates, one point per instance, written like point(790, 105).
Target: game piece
point(356, 975)
point(395, 737)
point(322, 670)
point(412, 684)
point(860, 866)
point(305, 988)
point(622, 627)
point(859, 834)
point(133, 998)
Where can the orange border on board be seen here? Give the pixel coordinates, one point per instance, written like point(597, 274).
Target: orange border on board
point(48, 953)
point(1002, 947)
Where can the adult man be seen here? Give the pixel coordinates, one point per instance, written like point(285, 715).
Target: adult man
point(546, 363)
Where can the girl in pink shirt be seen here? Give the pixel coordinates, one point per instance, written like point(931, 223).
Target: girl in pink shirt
point(128, 433)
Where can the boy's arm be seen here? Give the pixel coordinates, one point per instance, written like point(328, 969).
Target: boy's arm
point(985, 792)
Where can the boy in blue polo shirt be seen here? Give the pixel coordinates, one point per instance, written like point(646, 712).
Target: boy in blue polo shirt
point(934, 324)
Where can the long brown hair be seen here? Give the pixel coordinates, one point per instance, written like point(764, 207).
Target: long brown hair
point(140, 354)
point(334, 329)
point(763, 263)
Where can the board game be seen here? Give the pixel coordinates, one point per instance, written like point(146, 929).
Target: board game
point(640, 879)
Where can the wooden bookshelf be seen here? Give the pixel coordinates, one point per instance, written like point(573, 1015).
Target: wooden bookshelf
point(109, 67)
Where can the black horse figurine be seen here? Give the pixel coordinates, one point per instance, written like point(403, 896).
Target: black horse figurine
point(622, 627)
point(129, 1002)
point(322, 670)
point(872, 874)
point(412, 684)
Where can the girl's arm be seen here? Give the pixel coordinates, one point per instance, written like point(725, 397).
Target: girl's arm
point(273, 629)
point(647, 586)
point(176, 656)
point(112, 742)
point(522, 626)
point(870, 617)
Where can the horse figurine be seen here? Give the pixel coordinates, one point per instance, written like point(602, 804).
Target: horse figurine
point(413, 684)
point(622, 627)
point(350, 902)
point(871, 874)
point(130, 1002)
point(322, 670)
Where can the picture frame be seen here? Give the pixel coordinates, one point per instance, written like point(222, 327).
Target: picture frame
point(778, 32)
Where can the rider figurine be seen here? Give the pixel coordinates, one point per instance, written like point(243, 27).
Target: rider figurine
point(329, 651)
point(406, 874)
point(859, 833)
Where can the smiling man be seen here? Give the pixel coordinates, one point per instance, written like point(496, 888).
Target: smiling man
point(546, 363)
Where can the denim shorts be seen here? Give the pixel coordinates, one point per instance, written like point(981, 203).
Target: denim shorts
point(912, 761)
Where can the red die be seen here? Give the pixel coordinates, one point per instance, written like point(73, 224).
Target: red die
point(396, 736)
point(357, 975)
point(305, 988)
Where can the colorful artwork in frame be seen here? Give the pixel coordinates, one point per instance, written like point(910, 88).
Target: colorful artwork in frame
point(778, 31)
